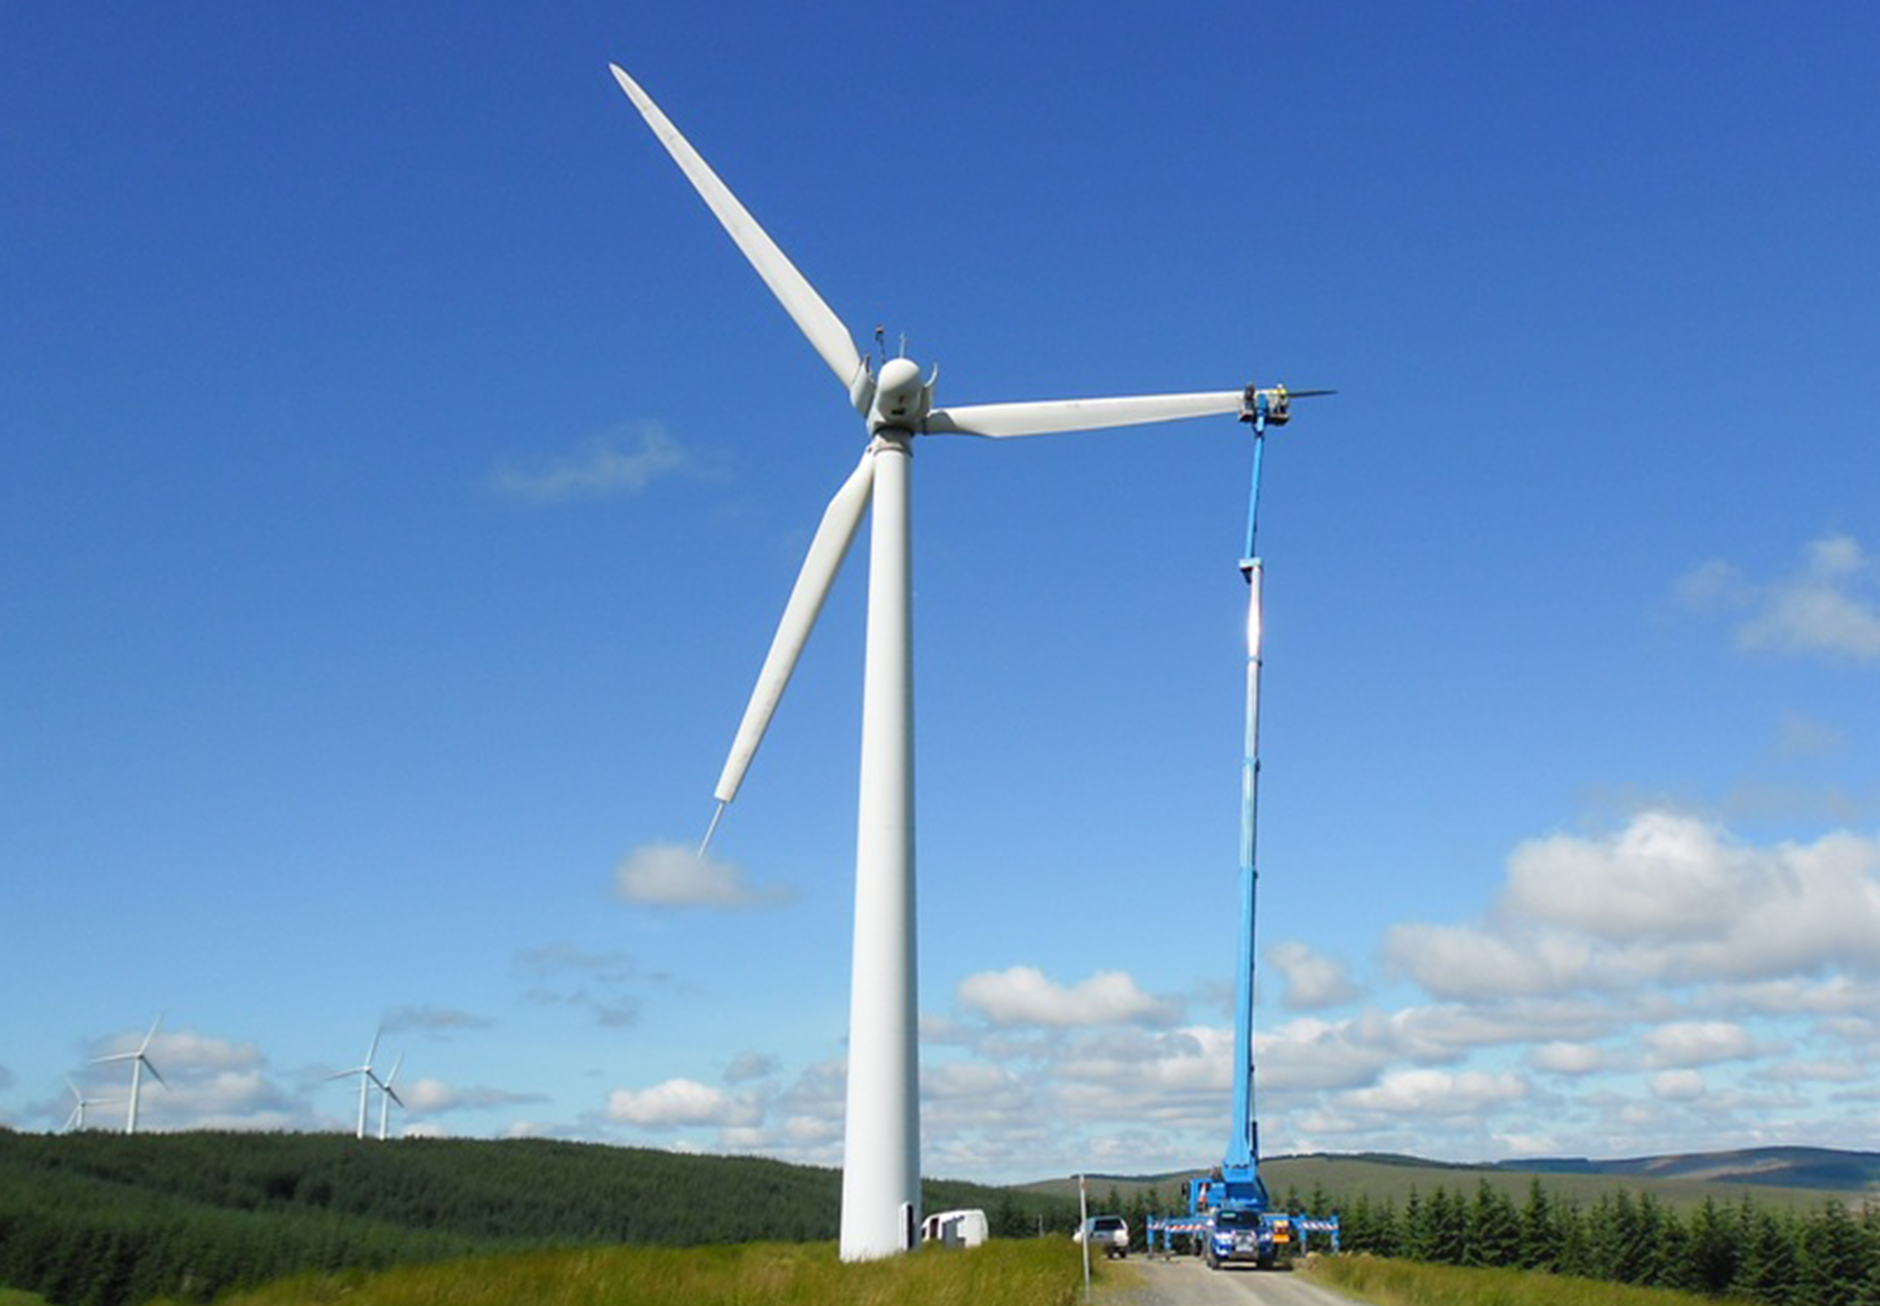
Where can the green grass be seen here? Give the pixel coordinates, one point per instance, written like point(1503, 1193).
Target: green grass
point(1406, 1283)
point(1026, 1272)
point(14, 1297)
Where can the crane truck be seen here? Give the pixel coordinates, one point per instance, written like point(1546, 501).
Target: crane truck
point(1230, 1216)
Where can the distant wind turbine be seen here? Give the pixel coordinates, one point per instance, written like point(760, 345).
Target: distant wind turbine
point(389, 1095)
point(75, 1123)
point(140, 1062)
point(366, 1081)
point(881, 1151)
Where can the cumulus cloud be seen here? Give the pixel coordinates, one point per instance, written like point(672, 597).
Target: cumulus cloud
point(1659, 878)
point(1022, 995)
point(1829, 605)
point(207, 1083)
point(672, 875)
point(679, 1103)
point(1313, 981)
point(1469, 961)
point(1566, 1058)
point(1669, 897)
point(747, 1066)
point(621, 463)
point(433, 1097)
point(1427, 1092)
point(1678, 1085)
point(1686, 1043)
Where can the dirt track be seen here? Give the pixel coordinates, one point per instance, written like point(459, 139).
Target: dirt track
point(1185, 1281)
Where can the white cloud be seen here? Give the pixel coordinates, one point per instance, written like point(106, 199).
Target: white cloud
point(747, 1066)
point(1424, 1092)
point(1830, 605)
point(1658, 878)
point(1688, 1043)
point(678, 1103)
point(1467, 961)
point(1668, 898)
point(671, 875)
point(400, 1019)
point(602, 467)
point(1022, 995)
point(1313, 981)
point(1310, 1054)
point(1816, 1072)
point(433, 1096)
point(207, 1083)
point(1678, 1085)
point(1566, 1058)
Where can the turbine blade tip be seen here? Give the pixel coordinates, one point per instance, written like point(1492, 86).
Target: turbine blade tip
point(706, 843)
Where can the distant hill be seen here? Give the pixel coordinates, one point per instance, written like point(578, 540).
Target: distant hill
point(1795, 1177)
point(109, 1220)
point(1785, 1167)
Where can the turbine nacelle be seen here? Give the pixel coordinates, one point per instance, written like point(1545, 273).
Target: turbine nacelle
point(901, 400)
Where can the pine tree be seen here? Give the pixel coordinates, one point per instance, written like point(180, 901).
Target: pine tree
point(1712, 1253)
point(1540, 1233)
point(1413, 1232)
point(1767, 1270)
point(1833, 1260)
point(1494, 1229)
point(1448, 1228)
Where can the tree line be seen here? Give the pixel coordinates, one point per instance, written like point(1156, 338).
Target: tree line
point(1829, 1256)
point(99, 1219)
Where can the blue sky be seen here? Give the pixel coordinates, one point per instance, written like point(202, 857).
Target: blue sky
point(403, 475)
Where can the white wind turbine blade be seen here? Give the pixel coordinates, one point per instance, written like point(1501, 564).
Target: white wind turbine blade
point(812, 316)
point(1052, 416)
point(813, 582)
point(388, 1095)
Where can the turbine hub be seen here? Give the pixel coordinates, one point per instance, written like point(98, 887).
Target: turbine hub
point(900, 398)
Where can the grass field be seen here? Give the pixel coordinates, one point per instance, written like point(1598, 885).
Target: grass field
point(1404, 1283)
point(1020, 1272)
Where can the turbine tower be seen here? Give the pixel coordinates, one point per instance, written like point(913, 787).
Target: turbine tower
point(881, 1149)
point(389, 1095)
point(75, 1123)
point(366, 1080)
point(140, 1062)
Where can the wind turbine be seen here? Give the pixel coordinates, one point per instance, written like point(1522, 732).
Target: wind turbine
point(881, 1150)
point(388, 1094)
point(75, 1123)
point(140, 1062)
point(366, 1080)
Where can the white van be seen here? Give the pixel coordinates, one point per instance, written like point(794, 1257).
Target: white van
point(954, 1228)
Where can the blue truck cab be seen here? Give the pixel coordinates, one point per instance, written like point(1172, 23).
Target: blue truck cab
point(1242, 1234)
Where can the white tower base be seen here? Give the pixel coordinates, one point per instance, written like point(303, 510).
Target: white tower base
point(881, 1152)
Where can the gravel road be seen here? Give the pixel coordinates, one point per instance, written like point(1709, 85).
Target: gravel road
point(1185, 1281)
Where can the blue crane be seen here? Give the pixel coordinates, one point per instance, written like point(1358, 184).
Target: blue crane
point(1229, 1210)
